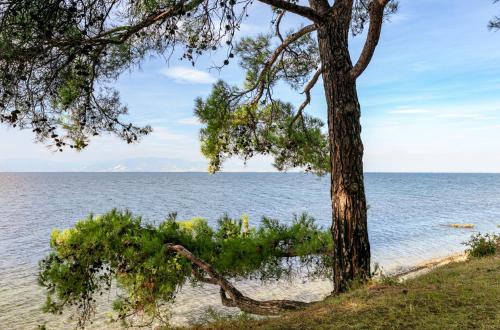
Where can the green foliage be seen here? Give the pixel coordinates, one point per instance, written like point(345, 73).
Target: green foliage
point(251, 121)
point(482, 245)
point(211, 315)
point(59, 59)
point(118, 248)
point(271, 129)
point(51, 74)
point(388, 280)
point(294, 67)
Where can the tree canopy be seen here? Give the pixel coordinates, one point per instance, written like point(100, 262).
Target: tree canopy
point(58, 62)
point(59, 59)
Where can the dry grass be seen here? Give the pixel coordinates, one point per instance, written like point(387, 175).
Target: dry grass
point(462, 295)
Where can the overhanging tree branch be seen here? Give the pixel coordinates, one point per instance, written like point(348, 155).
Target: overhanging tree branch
point(261, 80)
point(236, 298)
point(120, 34)
point(278, 23)
point(308, 87)
point(376, 10)
point(58, 68)
point(307, 92)
point(294, 8)
point(199, 277)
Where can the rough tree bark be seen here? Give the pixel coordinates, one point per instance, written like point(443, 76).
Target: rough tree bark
point(351, 255)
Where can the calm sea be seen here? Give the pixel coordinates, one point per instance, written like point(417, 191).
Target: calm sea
point(409, 216)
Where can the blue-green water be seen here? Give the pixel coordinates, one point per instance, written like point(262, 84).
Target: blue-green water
point(409, 214)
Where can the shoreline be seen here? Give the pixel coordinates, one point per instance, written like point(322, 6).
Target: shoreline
point(426, 266)
point(311, 291)
point(452, 293)
point(194, 302)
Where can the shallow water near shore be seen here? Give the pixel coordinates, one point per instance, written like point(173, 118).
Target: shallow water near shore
point(409, 218)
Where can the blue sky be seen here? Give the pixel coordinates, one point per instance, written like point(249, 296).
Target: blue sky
point(430, 101)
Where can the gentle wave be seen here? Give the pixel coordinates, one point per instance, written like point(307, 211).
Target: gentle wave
point(409, 216)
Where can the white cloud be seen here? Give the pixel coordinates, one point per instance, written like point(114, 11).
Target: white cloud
point(188, 75)
point(189, 121)
point(408, 111)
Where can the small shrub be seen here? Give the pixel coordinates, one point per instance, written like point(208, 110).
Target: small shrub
point(388, 280)
point(482, 245)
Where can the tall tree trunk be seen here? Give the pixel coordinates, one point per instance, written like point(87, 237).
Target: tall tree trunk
point(351, 255)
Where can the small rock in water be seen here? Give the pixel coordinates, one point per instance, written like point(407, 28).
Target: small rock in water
point(465, 225)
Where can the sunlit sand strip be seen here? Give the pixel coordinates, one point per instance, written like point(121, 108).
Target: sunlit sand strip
point(429, 265)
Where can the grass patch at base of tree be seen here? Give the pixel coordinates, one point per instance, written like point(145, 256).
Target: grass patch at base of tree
point(462, 295)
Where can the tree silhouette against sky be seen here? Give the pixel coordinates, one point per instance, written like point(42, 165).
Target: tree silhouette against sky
point(59, 59)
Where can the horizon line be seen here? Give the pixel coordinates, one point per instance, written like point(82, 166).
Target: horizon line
point(247, 172)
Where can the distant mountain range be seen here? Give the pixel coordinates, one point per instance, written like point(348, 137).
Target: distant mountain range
point(149, 164)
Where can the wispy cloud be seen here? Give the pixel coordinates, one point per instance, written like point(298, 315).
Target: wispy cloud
point(460, 115)
point(188, 75)
point(189, 121)
point(421, 66)
point(409, 111)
